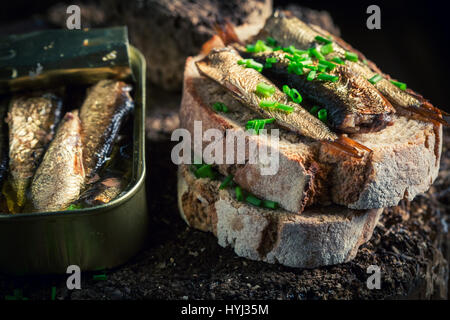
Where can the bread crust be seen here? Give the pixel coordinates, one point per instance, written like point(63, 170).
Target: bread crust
point(318, 237)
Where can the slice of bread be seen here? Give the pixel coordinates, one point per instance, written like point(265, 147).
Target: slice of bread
point(404, 162)
point(317, 237)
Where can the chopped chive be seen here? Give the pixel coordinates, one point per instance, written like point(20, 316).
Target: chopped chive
point(269, 204)
point(314, 110)
point(74, 207)
point(328, 64)
point(316, 53)
point(323, 40)
point(271, 42)
point(253, 200)
point(53, 296)
point(401, 85)
point(338, 60)
point(250, 63)
point(375, 78)
point(293, 94)
point(275, 105)
point(365, 62)
point(99, 277)
point(265, 89)
point(226, 182)
point(351, 56)
point(285, 108)
point(219, 106)
point(295, 67)
point(250, 48)
point(326, 49)
point(311, 75)
point(268, 104)
point(327, 77)
point(270, 61)
point(239, 195)
point(311, 67)
point(307, 62)
point(322, 67)
point(205, 171)
point(301, 57)
point(293, 50)
point(322, 115)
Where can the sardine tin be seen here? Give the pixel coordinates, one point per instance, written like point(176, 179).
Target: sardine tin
point(94, 238)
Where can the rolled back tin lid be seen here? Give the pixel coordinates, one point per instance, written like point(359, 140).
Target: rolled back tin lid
point(45, 58)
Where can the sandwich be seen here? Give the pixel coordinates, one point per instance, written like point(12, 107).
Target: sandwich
point(350, 141)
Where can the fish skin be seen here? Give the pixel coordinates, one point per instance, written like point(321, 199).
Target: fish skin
point(104, 191)
point(353, 104)
point(32, 122)
point(289, 30)
point(221, 66)
point(60, 176)
point(106, 105)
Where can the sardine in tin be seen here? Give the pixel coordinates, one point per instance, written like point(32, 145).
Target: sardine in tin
point(94, 238)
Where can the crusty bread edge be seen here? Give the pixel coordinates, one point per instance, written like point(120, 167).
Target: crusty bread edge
point(309, 240)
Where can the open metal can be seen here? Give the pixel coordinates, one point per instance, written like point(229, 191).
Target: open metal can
point(94, 238)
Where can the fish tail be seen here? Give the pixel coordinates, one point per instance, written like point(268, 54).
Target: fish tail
point(227, 33)
point(429, 106)
point(428, 115)
point(214, 43)
point(348, 146)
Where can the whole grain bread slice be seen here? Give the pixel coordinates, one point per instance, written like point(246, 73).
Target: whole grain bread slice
point(317, 237)
point(404, 162)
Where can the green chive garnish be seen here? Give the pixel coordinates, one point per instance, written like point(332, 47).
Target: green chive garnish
point(99, 277)
point(294, 50)
point(375, 78)
point(271, 42)
point(265, 90)
point(311, 75)
point(311, 67)
point(239, 195)
point(250, 63)
point(205, 171)
point(295, 67)
point(276, 105)
point(327, 64)
point(226, 182)
point(253, 200)
point(314, 110)
point(326, 49)
point(270, 61)
point(53, 296)
point(351, 56)
point(327, 77)
point(285, 108)
point(269, 204)
point(323, 40)
point(365, 62)
point(219, 106)
point(338, 60)
point(401, 85)
point(316, 53)
point(74, 207)
point(322, 115)
point(293, 94)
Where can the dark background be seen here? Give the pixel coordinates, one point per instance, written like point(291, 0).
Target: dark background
point(411, 45)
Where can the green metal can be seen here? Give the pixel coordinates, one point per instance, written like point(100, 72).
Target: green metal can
point(94, 238)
